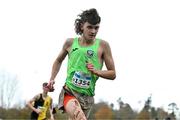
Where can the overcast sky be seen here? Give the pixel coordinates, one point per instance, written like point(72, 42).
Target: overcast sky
point(144, 37)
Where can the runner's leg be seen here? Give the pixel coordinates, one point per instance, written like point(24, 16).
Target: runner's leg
point(73, 108)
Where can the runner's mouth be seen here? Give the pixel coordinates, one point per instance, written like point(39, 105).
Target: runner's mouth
point(92, 35)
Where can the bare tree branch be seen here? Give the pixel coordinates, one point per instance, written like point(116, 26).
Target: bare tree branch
point(8, 83)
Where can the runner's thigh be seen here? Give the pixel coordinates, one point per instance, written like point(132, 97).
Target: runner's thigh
point(74, 110)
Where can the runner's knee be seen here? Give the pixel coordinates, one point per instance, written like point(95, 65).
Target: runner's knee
point(73, 108)
point(78, 113)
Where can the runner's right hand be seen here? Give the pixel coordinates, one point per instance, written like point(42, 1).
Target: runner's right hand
point(38, 111)
point(50, 85)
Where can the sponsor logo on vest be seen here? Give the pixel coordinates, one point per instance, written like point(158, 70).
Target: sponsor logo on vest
point(74, 49)
point(90, 53)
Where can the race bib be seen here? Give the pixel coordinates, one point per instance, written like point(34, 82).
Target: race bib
point(43, 112)
point(81, 80)
point(41, 108)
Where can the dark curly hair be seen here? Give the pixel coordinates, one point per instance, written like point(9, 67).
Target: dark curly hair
point(91, 16)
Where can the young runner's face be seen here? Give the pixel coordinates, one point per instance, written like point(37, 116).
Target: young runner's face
point(90, 31)
point(46, 89)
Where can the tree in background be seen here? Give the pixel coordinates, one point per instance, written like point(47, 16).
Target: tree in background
point(145, 113)
point(8, 83)
point(104, 112)
point(125, 111)
point(154, 114)
point(173, 108)
point(161, 113)
point(151, 113)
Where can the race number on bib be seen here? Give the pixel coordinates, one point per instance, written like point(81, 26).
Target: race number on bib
point(41, 108)
point(81, 80)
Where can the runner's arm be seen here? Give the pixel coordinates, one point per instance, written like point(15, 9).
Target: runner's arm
point(51, 110)
point(58, 61)
point(110, 73)
point(30, 104)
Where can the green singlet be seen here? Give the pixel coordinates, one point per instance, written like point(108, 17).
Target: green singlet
point(79, 78)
